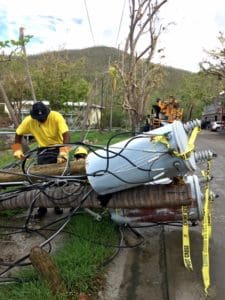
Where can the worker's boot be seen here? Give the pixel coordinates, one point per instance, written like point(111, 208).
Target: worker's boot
point(41, 212)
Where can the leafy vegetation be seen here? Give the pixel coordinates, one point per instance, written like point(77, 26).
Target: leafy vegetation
point(63, 82)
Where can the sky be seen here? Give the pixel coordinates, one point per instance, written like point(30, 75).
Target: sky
point(78, 24)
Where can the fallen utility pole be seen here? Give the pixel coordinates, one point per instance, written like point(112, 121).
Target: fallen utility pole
point(15, 174)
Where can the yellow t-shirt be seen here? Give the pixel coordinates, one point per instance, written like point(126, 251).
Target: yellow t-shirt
point(48, 133)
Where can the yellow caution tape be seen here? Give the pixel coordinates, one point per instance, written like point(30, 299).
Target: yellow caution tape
point(190, 146)
point(210, 215)
point(206, 232)
point(161, 139)
point(186, 240)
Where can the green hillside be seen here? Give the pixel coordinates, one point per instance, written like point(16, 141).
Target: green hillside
point(98, 59)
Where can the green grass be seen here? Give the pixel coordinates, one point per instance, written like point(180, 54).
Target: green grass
point(102, 138)
point(79, 261)
point(8, 213)
point(6, 157)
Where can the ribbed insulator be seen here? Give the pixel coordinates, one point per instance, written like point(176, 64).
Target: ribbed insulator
point(204, 155)
point(190, 125)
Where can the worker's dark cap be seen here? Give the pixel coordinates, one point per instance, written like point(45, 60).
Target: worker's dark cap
point(39, 111)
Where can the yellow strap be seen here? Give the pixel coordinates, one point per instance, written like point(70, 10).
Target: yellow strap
point(210, 215)
point(186, 240)
point(206, 232)
point(161, 139)
point(190, 146)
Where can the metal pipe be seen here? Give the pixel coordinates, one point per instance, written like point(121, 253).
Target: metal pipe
point(165, 214)
point(154, 215)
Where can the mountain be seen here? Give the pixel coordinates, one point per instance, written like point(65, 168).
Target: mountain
point(99, 58)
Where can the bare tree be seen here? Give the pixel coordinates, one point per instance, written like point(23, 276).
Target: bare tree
point(8, 105)
point(215, 64)
point(15, 48)
point(4, 58)
point(138, 73)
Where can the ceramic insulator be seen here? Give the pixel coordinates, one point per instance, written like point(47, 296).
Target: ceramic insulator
point(190, 125)
point(204, 155)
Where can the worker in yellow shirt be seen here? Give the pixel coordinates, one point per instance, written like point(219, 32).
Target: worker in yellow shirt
point(49, 128)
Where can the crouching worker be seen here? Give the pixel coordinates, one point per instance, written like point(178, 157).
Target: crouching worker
point(48, 128)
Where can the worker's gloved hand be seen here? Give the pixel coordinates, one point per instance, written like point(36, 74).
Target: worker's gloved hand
point(63, 154)
point(17, 151)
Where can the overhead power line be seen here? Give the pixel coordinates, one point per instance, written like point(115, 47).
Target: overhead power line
point(121, 19)
point(85, 3)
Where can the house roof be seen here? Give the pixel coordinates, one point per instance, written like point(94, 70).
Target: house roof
point(213, 108)
point(81, 104)
point(69, 103)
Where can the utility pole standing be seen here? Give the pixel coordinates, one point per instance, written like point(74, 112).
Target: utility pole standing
point(21, 39)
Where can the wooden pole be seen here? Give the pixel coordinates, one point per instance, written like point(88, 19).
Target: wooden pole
point(21, 38)
point(47, 270)
point(16, 174)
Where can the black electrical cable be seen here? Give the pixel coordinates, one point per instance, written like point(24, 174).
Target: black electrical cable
point(12, 279)
point(126, 181)
point(113, 256)
point(154, 224)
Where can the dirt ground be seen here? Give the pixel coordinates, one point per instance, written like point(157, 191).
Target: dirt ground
point(18, 245)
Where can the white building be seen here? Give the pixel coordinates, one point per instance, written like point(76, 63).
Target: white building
point(75, 113)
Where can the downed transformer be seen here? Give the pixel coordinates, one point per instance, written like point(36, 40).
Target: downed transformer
point(148, 177)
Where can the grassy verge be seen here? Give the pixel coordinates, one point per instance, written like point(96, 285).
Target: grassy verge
point(87, 245)
point(101, 138)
